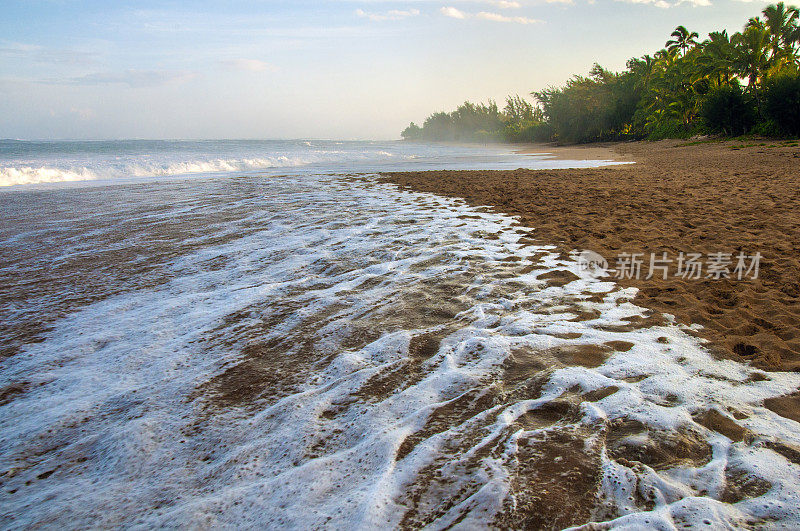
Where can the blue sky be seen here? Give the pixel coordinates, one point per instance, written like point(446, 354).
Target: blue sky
point(331, 69)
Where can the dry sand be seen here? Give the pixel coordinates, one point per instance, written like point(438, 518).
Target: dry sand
point(688, 197)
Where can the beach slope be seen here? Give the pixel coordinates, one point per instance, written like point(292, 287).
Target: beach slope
point(679, 197)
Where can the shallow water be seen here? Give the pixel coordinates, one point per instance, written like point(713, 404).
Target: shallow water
point(316, 349)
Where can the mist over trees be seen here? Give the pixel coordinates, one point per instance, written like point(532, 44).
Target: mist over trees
point(748, 82)
point(519, 120)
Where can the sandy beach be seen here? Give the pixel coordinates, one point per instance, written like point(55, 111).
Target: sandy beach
point(678, 197)
point(308, 347)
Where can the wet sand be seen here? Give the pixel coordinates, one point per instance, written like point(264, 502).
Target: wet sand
point(601, 151)
point(690, 197)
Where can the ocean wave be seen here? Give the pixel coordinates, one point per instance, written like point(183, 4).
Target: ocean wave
point(33, 174)
point(216, 166)
point(11, 176)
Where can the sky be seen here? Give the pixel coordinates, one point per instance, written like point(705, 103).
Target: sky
point(331, 69)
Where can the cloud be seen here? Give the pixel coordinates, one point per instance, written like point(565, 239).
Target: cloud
point(658, 3)
point(497, 17)
point(394, 14)
point(663, 4)
point(248, 65)
point(452, 13)
point(505, 4)
point(135, 78)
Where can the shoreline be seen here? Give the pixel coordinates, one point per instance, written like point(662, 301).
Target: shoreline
point(601, 151)
point(679, 197)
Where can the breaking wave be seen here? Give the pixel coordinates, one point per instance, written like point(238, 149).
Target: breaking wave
point(11, 175)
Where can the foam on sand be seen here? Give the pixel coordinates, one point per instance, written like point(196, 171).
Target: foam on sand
point(335, 352)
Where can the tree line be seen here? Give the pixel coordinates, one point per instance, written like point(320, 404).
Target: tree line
point(748, 82)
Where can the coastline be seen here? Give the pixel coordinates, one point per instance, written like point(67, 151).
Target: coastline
point(689, 197)
point(429, 363)
point(602, 151)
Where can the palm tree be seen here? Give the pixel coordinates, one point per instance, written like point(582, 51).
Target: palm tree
point(642, 69)
point(781, 22)
point(718, 56)
point(755, 22)
point(752, 58)
point(682, 40)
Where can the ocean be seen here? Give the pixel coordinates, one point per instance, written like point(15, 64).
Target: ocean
point(264, 334)
point(105, 162)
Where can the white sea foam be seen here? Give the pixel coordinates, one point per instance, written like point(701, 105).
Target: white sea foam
point(12, 176)
point(111, 431)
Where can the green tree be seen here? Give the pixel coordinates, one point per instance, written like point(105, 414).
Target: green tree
point(670, 93)
point(728, 110)
point(782, 102)
point(781, 22)
point(587, 109)
point(752, 57)
point(717, 58)
point(682, 40)
point(412, 132)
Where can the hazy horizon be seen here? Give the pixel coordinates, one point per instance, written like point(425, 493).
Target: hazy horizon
point(331, 70)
